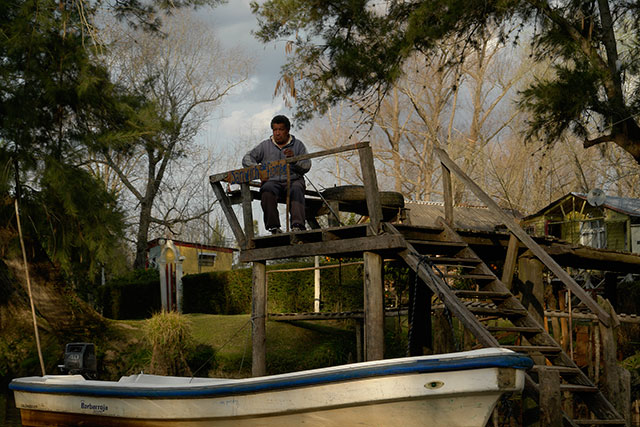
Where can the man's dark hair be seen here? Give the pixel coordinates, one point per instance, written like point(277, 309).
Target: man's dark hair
point(281, 120)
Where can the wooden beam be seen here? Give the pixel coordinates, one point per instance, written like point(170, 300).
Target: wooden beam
point(258, 319)
point(550, 398)
point(525, 238)
point(238, 176)
point(228, 212)
point(447, 192)
point(247, 212)
point(371, 191)
point(344, 246)
point(373, 307)
point(510, 261)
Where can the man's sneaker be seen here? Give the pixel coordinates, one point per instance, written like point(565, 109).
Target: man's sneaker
point(275, 230)
point(297, 227)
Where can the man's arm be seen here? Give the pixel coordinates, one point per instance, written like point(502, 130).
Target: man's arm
point(301, 166)
point(253, 157)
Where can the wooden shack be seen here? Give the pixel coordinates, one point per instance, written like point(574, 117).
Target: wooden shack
point(605, 222)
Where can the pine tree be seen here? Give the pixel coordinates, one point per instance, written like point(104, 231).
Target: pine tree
point(346, 48)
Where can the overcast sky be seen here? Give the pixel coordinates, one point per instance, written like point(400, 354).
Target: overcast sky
point(245, 115)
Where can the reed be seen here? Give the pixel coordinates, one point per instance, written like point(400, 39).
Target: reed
point(170, 336)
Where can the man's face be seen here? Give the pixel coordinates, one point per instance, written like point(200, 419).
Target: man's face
point(280, 133)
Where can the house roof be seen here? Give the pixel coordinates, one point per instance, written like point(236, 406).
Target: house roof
point(425, 213)
point(156, 242)
point(625, 205)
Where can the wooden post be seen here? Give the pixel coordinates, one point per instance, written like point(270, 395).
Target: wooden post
point(510, 261)
point(612, 382)
point(530, 273)
point(247, 212)
point(258, 319)
point(359, 357)
point(334, 210)
point(316, 284)
point(625, 394)
point(550, 398)
point(532, 288)
point(373, 307)
point(419, 317)
point(447, 192)
point(374, 206)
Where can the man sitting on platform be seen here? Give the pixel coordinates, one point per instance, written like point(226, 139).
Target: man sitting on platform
point(280, 145)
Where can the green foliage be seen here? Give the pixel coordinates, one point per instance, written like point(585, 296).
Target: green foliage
point(229, 292)
point(133, 296)
point(220, 292)
point(355, 49)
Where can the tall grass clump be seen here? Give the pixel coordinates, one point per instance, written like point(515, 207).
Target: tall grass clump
point(170, 336)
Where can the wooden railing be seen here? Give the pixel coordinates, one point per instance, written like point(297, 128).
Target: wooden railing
point(244, 235)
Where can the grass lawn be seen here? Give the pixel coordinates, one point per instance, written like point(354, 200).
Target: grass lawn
point(224, 345)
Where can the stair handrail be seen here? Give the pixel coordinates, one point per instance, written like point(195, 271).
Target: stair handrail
point(517, 231)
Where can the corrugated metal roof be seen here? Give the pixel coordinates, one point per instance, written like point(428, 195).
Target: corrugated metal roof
point(423, 213)
point(625, 205)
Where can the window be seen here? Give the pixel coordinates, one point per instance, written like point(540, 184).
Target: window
point(206, 259)
point(593, 233)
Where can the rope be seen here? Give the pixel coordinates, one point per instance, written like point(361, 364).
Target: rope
point(425, 260)
point(26, 272)
point(325, 201)
point(222, 346)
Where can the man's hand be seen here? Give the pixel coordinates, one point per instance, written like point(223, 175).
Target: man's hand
point(288, 152)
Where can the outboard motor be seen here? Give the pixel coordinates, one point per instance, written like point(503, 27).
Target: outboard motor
point(80, 358)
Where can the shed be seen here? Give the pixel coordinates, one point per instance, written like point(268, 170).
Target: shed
point(609, 223)
point(197, 257)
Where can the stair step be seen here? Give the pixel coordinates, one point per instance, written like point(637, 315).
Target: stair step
point(476, 277)
point(612, 422)
point(518, 329)
point(549, 349)
point(563, 370)
point(464, 293)
point(436, 243)
point(449, 260)
point(495, 311)
point(579, 388)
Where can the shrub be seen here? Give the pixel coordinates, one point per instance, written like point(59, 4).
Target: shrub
point(135, 295)
point(169, 334)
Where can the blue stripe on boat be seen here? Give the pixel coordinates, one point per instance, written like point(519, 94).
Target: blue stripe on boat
point(515, 360)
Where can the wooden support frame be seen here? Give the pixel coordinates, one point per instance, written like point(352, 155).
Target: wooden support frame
point(447, 192)
point(524, 238)
point(510, 259)
point(373, 307)
point(372, 194)
point(259, 319)
point(228, 212)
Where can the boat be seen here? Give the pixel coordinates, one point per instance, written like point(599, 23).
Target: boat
point(453, 389)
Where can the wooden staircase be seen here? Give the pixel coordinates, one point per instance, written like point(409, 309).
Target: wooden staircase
point(433, 256)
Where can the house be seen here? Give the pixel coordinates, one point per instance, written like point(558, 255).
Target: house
point(594, 219)
point(196, 257)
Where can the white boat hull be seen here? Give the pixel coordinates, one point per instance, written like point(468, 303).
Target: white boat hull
point(389, 392)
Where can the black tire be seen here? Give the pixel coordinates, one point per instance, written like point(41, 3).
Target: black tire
point(355, 193)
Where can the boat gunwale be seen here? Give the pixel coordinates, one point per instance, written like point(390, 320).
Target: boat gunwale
point(282, 382)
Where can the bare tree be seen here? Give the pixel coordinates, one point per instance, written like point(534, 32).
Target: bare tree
point(181, 76)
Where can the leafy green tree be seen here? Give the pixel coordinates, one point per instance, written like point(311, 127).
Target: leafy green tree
point(57, 105)
point(346, 48)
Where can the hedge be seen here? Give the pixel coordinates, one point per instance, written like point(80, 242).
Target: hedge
point(133, 296)
point(137, 295)
point(288, 292)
